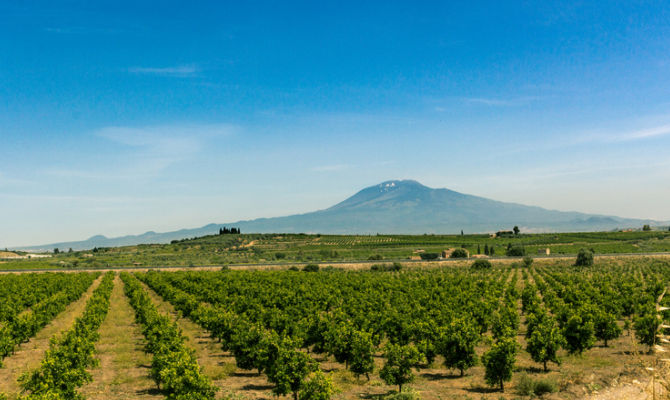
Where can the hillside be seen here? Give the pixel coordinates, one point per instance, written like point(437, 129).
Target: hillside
point(394, 207)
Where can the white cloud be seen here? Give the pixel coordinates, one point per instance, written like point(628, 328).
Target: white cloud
point(181, 71)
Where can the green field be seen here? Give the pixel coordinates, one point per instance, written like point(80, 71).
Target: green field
point(302, 248)
point(561, 331)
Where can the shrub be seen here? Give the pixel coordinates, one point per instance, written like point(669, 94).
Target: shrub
point(516, 251)
point(280, 256)
point(311, 268)
point(528, 386)
point(375, 257)
point(584, 258)
point(318, 387)
point(543, 386)
point(481, 264)
point(527, 261)
point(293, 268)
point(459, 253)
point(429, 256)
point(408, 394)
point(396, 266)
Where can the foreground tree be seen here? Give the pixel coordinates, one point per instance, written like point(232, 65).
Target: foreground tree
point(499, 362)
point(606, 327)
point(646, 327)
point(544, 342)
point(289, 371)
point(457, 345)
point(361, 358)
point(399, 363)
point(579, 334)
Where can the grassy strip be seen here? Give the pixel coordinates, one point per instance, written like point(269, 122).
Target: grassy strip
point(174, 366)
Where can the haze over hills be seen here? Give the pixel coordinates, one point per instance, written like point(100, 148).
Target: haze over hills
point(395, 207)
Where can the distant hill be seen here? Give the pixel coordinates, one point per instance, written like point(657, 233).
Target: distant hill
point(399, 206)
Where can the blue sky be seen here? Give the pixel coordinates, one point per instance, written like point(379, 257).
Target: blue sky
point(121, 117)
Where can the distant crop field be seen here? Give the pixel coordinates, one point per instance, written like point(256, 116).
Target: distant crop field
point(499, 330)
point(234, 249)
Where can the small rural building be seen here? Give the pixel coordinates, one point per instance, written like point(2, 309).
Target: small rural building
point(544, 252)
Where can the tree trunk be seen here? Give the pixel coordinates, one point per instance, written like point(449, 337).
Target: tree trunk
point(367, 376)
point(606, 343)
point(400, 388)
point(461, 371)
point(295, 395)
point(545, 366)
point(502, 388)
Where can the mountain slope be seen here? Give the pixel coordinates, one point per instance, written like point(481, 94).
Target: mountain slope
point(394, 207)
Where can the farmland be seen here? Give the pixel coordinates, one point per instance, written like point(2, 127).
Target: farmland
point(436, 331)
point(302, 248)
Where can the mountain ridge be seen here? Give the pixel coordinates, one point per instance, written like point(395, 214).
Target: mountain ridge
point(391, 207)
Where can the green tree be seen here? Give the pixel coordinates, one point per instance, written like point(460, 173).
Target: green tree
point(505, 321)
point(527, 261)
point(457, 344)
point(545, 341)
point(606, 327)
point(516, 230)
point(338, 339)
point(459, 253)
point(584, 258)
point(499, 362)
point(289, 371)
point(481, 264)
point(579, 334)
point(399, 363)
point(317, 387)
point(516, 251)
point(646, 228)
point(646, 326)
point(362, 349)
point(486, 249)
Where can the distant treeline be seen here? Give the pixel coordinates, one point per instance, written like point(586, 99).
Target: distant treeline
point(226, 231)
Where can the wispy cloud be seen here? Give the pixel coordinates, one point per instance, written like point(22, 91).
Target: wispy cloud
point(83, 30)
point(179, 71)
point(617, 136)
point(331, 168)
point(498, 102)
point(6, 180)
point(147, 151)
point(647, 133)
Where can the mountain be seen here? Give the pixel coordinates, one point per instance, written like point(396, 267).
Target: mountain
point(399, 206)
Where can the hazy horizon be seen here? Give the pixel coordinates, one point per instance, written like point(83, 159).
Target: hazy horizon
point(120, 118)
